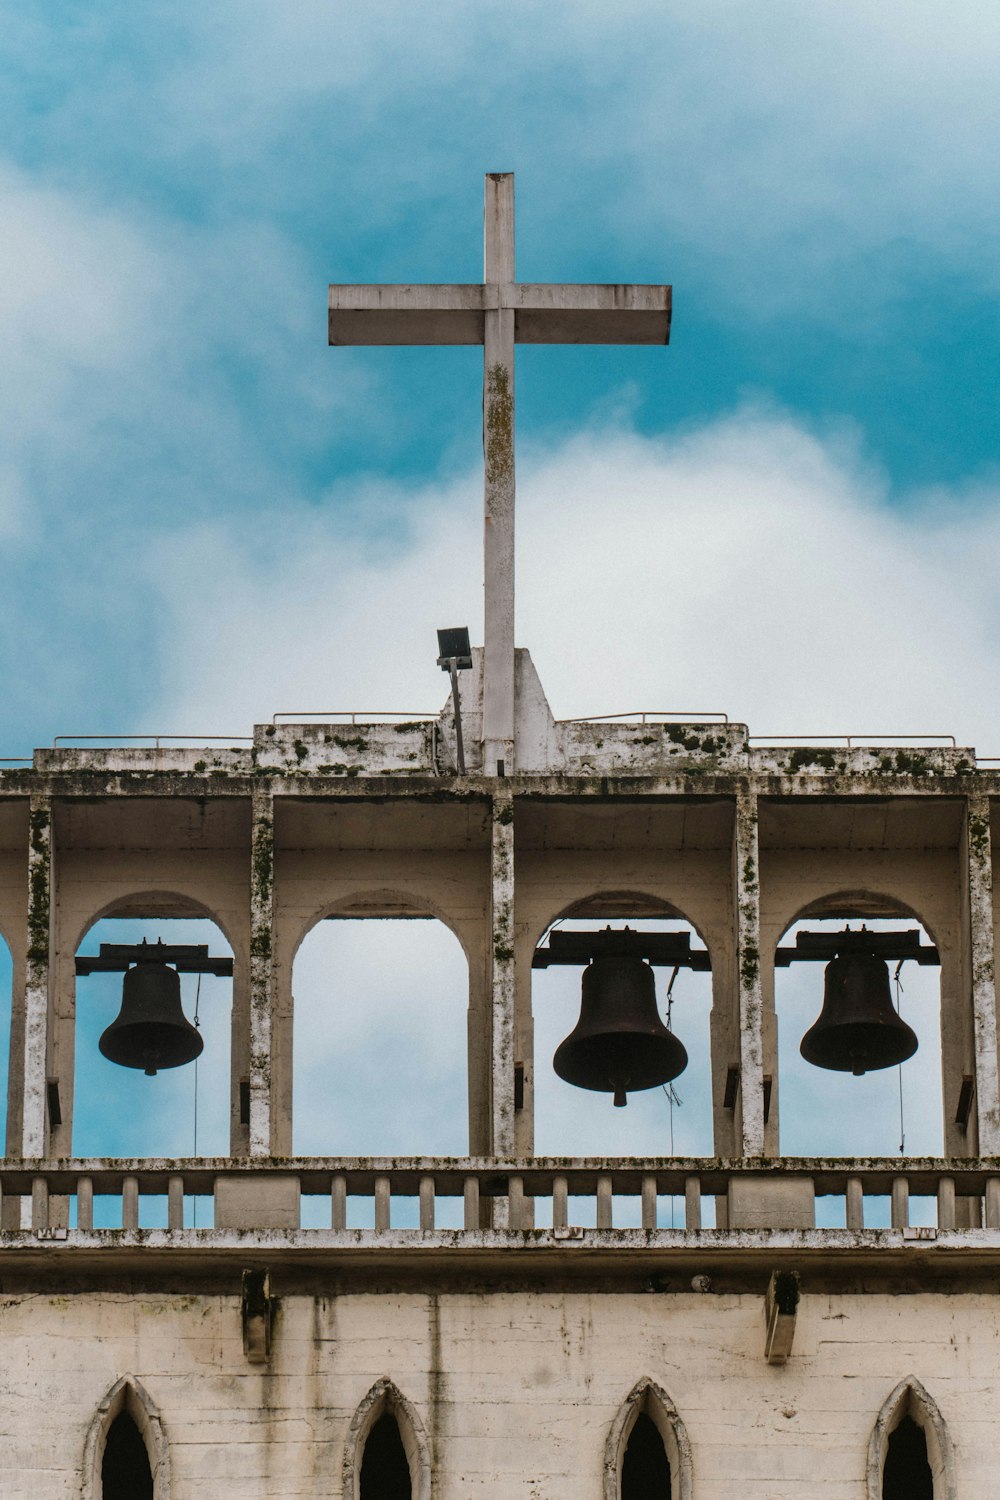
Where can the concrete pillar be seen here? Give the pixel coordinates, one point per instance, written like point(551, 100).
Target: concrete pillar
point(746, 888)
point(34, 1138)
point(498, 494)
point(262, 1126)
point(502, 974)
point(977, 880)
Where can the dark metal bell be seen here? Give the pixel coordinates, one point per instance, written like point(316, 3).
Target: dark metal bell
point(858, 1030)
point(619, 1043)
point(151, 1030)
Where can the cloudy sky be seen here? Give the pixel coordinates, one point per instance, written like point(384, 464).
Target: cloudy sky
point(205, 512)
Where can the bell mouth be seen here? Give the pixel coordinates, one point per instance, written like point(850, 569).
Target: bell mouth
point(151, 1046)
point(607, 1063)
point(859, 1048)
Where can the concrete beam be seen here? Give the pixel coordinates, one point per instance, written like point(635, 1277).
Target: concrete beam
point(544, 313)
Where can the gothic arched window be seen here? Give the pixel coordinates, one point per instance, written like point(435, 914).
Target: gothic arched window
point(909, 1454)
point(906, 1474)
point(126, 1455)
point(385, 1470)
point(647, 1455)
point(125, 1471)
point(385, 1457)
point(645, 1466)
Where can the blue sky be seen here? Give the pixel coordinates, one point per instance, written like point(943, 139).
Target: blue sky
point(203, 508)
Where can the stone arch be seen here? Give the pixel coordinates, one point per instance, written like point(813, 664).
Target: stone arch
point(386, 1397)
point(910, 1399)
point(620, 905)
point(652, 1400)
point(156, 905)
point(129, 1396)
point(365, 902)
point(832, 906)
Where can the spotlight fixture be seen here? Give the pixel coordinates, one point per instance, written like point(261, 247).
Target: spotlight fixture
point(454, 656)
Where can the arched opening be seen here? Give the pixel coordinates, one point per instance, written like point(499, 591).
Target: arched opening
point(379, 1040)
point(125, 1455)
point(909, 1453)
point(125, 1470)
point(647, 1455)
point(890, 1111)
point(385, 1456)
point(669, 1120)
point(645, 1466)
point(385, 1472)
point(181, 1111)
point(907, 1472)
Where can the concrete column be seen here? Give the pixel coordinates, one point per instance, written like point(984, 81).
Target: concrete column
point(746, 890)
point(261, 1130)
point(502, 974)
point(34, 1138)
point(498, 493)
point(978, 905)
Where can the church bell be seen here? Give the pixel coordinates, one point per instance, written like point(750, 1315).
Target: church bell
point(858, 1030)
point(151, 1030)
point(619, 1043)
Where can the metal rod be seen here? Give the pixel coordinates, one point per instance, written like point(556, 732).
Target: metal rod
point(457, 702)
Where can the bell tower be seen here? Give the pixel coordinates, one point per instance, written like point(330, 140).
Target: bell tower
point(745, 1317)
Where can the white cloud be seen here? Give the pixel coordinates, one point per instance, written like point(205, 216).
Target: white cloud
point(750, 567)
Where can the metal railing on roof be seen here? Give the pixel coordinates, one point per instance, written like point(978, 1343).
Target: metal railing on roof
point(653, 716)
point(852, 741)
point(355, 715)
point(61, 740)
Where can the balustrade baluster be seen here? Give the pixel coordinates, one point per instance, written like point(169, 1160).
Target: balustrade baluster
point(85, 1204)
point(382, 1201)
point(560, 1203)
point(993, 1203)
point(604, 1214)
point(427, 1202)
point(946, 1203)
point(900, 1203)
point(39, 1203)
point(130, 1202)
point(515, 1198)
point(692, 1203)
point(175, 1202)
point(471, 1195)
point(855, 1205)
point(338, 1201)
point(649, 1202)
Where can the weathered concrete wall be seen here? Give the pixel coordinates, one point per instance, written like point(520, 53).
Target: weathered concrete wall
point(515, 1392)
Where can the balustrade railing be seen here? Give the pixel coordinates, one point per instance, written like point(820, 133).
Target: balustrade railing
point(562, 1198)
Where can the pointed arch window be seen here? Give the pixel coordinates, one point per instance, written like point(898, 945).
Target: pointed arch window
point(386, 1453)
point(647, 1455)
point(909, 1455)
point(126, 1455)
point(125, 1470)
point(385, 1470)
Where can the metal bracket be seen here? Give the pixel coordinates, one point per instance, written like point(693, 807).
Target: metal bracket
point(663, 949)
point(187, 958)
point(258, 1316)
point(780, 1308)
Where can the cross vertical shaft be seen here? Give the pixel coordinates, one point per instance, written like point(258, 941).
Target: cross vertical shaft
point(498, 475)
point(498, 313)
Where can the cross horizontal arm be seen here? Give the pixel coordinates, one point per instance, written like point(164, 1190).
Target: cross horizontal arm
point(544, 313)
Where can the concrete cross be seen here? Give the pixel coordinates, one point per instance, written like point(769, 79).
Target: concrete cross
point(498, 313)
